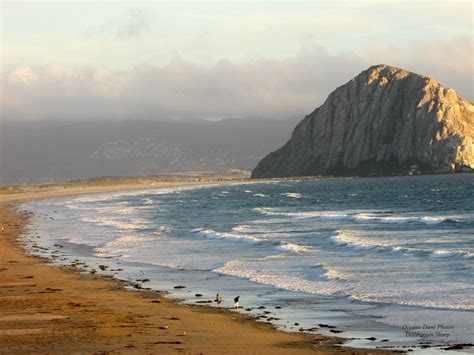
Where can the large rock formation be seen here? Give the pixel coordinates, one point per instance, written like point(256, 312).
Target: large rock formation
point(384, 121)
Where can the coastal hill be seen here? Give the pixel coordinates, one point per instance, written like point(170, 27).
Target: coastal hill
point(57, 151)
point(384, 121)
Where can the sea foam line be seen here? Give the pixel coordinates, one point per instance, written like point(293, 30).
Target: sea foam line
point(212, 234)
point(351, 239)
point(358, 217)
point(234, 237)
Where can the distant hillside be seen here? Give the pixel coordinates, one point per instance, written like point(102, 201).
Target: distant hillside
point(59, 151)
point(386, 120)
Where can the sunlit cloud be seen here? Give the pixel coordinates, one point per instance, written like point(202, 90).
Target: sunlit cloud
point(23, 75)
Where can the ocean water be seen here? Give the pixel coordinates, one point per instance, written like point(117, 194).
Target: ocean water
point(386, 257)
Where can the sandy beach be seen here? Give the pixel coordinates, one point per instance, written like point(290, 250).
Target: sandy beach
point(46, 309)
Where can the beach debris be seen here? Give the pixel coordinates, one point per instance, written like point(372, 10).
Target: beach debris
point(278, 307)
point(335, 331)
point(322, 325)
point(207, 301)
point(198, 295)
point(103, 267)
point(163, 327)
point(156, 301)
point(50, 290)
point(3, 229)
point(459, 346)
point(371, 338)
point(236, 302)
point(179, 287)
point(261, 307)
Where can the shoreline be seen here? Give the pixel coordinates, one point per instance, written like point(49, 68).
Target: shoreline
point(55, 309)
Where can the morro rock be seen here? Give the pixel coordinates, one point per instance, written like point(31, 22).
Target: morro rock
point(384, 121)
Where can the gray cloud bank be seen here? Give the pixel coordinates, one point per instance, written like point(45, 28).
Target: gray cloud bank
point(267, 88)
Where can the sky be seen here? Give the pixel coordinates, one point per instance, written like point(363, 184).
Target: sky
point(216, 59)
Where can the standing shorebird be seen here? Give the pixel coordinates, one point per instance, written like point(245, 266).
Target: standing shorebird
point(236, 302)
point(218, 299)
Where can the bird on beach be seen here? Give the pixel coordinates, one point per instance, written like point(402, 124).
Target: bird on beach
point(236, 302)
point(218, 299)
point(3, 229)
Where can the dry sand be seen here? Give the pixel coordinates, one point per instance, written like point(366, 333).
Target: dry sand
point(46, 309)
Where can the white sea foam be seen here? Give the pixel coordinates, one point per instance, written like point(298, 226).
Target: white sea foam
point(460, 305)
point(451, 253)
point(166, 229)
point(116, 195)
point(149, 201)
point(348, 238)
point(125, 246)
point(333, 274)
point(125, 211)
point(259, 195)
point(293, 194)
point(354, 240)
point(323, 215)
point(396, 219)
point(293, 247)
point(209, 233)
point(90, 240)
point(357, 217)
point(131, 224)
point(251, 270)
point(244, 228)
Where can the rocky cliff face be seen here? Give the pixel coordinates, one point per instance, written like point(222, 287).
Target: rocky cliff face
point(384, 121)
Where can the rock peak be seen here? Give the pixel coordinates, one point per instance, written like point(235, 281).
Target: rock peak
point(386, 120)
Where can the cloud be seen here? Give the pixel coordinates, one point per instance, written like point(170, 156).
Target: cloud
point(23, 75)
point(272, 88)
point(133, 25)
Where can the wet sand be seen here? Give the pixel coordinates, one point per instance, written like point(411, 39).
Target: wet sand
point(49, 309)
